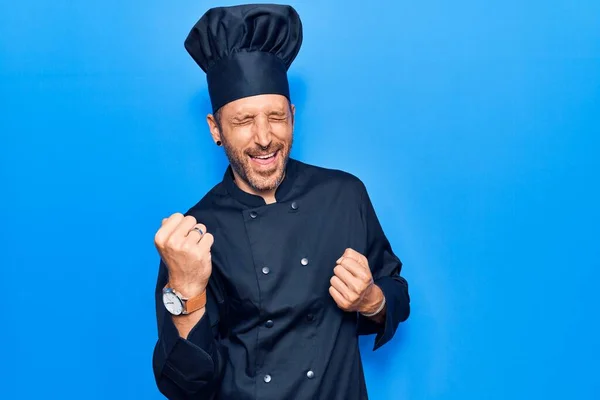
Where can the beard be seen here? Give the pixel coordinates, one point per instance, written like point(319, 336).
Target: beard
point(264, 179)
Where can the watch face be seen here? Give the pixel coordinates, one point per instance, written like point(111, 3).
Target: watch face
point(172, 302)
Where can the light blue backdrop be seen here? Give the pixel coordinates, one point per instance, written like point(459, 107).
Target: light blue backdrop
point(475, 126)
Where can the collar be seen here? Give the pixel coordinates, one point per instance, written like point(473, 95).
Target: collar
point(252, 200)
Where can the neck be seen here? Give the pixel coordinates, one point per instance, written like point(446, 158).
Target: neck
point(267, 195)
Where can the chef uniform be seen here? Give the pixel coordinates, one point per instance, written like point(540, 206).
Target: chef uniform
point(271, 330)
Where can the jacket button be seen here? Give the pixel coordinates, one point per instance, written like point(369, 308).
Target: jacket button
point(304, 261)
point(294, 205)
point(267, 378)
point(310, 318)
point(253, 214)
point(269, 324)
point(310, 374)
point(265, 270)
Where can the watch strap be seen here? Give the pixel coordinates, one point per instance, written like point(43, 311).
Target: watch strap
point(190, 304)
point(195, 303)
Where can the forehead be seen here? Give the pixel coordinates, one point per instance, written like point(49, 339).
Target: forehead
point(263, 103)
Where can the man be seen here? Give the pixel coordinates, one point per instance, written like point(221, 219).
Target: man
point(266, 283)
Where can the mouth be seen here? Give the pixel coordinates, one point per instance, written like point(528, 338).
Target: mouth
point(265, 159)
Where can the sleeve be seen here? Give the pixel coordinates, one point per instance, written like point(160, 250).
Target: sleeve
point(385, 267)
point(187, 368)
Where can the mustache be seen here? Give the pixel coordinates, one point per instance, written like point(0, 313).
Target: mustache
point(261, 151)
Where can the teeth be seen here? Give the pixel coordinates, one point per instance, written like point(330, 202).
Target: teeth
point(265, 157)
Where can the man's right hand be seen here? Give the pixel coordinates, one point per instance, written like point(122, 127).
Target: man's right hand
point(186, 253)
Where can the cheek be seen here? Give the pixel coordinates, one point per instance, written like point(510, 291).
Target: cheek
point(239, 138)
point(282, 132)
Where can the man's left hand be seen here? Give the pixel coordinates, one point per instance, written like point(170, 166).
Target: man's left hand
point(352, 285)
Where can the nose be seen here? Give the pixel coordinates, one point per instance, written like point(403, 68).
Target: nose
point(263, 135)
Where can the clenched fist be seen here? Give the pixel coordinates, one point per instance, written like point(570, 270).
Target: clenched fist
point(186, 253)
point(352, 286)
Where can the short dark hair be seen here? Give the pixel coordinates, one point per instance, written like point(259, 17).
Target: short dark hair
point(217, 115)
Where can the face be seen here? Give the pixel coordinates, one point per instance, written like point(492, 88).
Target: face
point(256, 133)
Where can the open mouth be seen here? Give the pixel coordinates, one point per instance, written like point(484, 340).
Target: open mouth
point(265, 159)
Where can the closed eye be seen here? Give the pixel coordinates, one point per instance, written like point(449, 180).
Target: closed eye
point(242, 122)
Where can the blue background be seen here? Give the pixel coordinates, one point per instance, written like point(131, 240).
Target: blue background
point(475, 126)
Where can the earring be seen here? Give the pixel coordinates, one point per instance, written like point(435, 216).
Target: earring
point(218, 142)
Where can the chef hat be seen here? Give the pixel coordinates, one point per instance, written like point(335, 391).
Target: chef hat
point(245, 50)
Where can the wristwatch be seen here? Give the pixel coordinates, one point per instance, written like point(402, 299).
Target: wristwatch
point(176, 304)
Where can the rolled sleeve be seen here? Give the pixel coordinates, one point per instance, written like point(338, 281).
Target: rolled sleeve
point(395, 291)
point(186, 368)
point(385, 268)
point(191, 359)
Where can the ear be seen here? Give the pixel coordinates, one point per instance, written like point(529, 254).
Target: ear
point(213, 127)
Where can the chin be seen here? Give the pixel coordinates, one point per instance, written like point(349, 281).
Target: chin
point(267, 179)
point(265, 183)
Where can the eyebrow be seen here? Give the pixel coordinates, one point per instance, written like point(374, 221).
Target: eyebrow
point(241, 117)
